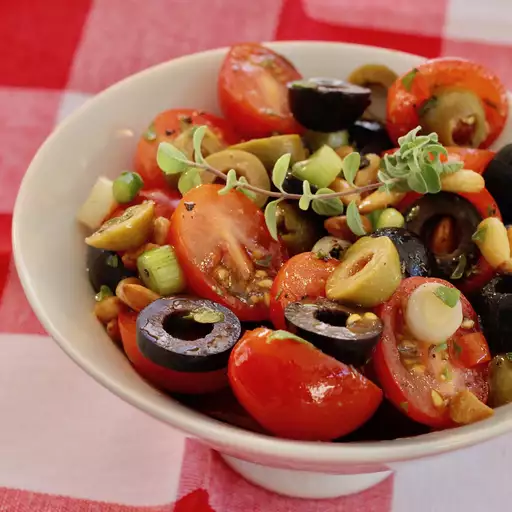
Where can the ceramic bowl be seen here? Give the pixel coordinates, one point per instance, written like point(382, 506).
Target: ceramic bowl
point(100, 139)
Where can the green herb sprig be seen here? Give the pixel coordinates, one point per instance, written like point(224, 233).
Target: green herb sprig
point(415, 166)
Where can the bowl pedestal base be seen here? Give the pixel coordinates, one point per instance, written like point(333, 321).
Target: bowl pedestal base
point(304, 484)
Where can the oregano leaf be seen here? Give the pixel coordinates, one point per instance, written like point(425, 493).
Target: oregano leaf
point(170, 159)
point(249, 193)
point(408, 79)
point(271, 218)
point(190, 179)
point(327, 207)
point(451, 167)
point(354, 221)
point(285, 335)
point(279, 171)
point(350, 166)
point(417, 183)
point(231, 182)
point(197, 141)
point(432, 179)
point(305, 200)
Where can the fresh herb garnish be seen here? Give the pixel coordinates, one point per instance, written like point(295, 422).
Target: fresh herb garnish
point(265, 261)
point(408, 79)
point(457, 348)
point(104, 293)
point(112, 260)
point(150, 133)
point(479, 234)
point(285, 335)
point(441, 347)
point(450, 296)
point(458, 272)
point(205, 316)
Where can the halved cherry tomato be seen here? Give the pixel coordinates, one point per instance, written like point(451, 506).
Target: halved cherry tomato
point(296, 391)
point(471, 349)
point(302, 276)
point(407, 96)
point(166, 202)
point(475, 159)
point(410, 390)
point(225, 250)
point(486, 207)
point(166, 127)
point(163, 378)
point(253, 93)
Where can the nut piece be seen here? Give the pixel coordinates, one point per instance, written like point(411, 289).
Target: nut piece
point(344, 151)
point(129, 258)
point(493, 243)
point(107, 309)
point(466, 408)
point(379, 200)
point(338, 227)
point(463, 181)
point(160, 230)
point(113, 330)
point(134, 294)
point(340, 185)
point(368, 174)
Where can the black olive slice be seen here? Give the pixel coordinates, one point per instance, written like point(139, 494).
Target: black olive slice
point(415, 258)
point(324, 323)
point(186, 334)
point(105, 268)
point(293, 185)
point(498, 181)
point(427, 217)
point(494, 306)
point(369, 137)
point(327, 104)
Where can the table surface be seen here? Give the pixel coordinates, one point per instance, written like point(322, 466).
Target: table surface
point(66, 443)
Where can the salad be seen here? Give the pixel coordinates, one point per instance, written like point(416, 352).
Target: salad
point(328, 261)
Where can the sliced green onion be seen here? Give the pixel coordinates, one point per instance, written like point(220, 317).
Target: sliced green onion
point(390, 218)
point(103, 294)
point(127, 186)
point(320, 169)
point(160, 271)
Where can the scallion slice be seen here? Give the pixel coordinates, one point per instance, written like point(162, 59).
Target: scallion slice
point(127, 186)
point(160, 271)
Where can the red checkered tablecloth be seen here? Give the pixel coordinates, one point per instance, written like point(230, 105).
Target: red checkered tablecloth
point(66, 444)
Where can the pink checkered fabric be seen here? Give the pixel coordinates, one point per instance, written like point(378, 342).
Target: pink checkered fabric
point(55, 54)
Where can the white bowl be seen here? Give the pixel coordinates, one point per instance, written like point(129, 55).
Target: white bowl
point(100, 139)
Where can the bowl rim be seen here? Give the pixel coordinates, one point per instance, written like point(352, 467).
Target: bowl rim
point(201, 426)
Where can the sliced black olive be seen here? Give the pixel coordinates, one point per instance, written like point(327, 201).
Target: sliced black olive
point(445, 222)
point(415, 258)
point(498, 181)
point(369, 137)
point(187, 335)
point(494, 306)
point(329, 326)
point(327, 104)
point(293, 185)
point(105, 268)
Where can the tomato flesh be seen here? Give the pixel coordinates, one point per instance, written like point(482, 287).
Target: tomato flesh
point(163, 378)
point(317, 398)
point(303, 275)
point(225, 250)
point(410, 388)
point(406, 96)
point(165, 128)
point(252, 91)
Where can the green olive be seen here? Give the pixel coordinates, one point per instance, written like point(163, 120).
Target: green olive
point(330, 247)
point(457, 116)
point(269, 150)
point(128, 231)
point(245, 164)
point(500, 381)
point(390, 218)
point(297, 229)
point(368, 274)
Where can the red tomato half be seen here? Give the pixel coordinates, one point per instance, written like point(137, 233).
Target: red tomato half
point(163, 378)
point(166, 127)
point(221, 242)
point(411, 391)
point(253, 93)
point(302, 276)
point(410, 92)
point(296, 391)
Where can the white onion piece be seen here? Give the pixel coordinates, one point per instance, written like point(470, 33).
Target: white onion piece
point(98, 205)
point(429, 318)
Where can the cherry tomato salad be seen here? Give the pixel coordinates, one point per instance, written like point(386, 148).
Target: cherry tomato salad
point(318, 263)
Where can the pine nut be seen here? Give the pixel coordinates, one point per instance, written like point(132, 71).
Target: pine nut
point(340, 185)
point(466, 408)
point(134, 295)
point(352, 319)
point(493, 244)
point(344, 151)
point(462, 181)
point(368, 174)
point(338, 227)
point(160, 230)
point(107, 309)
point(379, 200)
point(265, 283)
